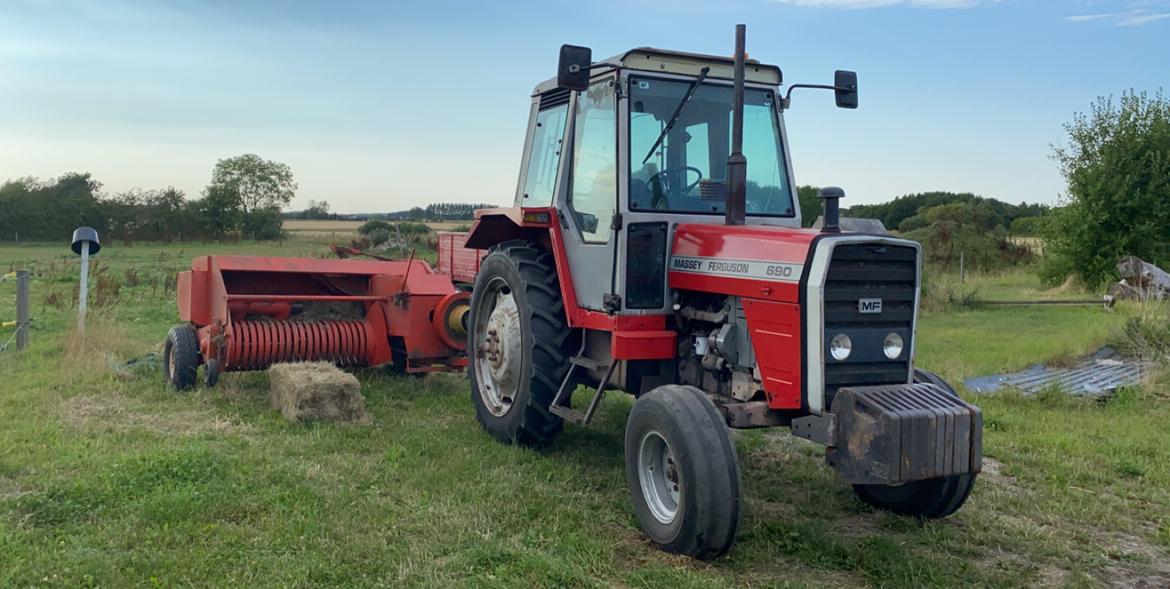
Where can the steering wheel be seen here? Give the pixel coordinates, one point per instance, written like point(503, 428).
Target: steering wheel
point(664, 180)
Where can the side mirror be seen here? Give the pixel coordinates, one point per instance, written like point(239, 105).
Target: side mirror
point(845, 88)
point(573, 67)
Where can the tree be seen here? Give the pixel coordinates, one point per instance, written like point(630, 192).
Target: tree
point(257, 183)
point(1117, 165)
point(810, 205)
point(50, 210)
point(317, 210)
point(254, 187)
point(963, 229)
point(220, 211)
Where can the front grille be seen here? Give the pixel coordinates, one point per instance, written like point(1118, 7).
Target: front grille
point(869, 271)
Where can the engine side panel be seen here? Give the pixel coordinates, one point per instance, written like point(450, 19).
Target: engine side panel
point(775, 336)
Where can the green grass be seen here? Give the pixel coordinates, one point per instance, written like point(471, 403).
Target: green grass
point(107, 479)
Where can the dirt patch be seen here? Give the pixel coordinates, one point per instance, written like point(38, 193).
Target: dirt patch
point(119, 414)
point(1137, 563)
point(316, 390)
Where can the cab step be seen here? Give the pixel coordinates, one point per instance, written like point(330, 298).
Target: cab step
point(560, 403)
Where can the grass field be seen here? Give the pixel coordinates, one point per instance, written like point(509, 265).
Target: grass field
point(108, 479)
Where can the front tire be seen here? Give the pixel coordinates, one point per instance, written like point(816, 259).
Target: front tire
point(932, 498)
point(181, 358)
point(682, 472)
point(519, 344)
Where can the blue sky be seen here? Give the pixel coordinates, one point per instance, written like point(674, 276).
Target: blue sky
point(384, 105)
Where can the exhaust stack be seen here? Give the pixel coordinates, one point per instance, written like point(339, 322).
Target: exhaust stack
point(831, 222)
point(736, 210)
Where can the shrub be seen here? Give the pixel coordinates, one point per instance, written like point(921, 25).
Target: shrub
point(1118, 177)
point(410, 229)
point(378, 236)
point(373, 225)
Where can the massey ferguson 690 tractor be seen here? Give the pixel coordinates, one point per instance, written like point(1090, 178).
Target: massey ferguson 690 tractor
point(654, 247)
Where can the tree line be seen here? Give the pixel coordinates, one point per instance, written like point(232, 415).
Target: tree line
point(243, 199)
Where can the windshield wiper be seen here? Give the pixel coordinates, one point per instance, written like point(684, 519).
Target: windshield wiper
point(677, 111)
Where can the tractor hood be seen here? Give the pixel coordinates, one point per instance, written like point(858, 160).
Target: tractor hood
point(750, 261)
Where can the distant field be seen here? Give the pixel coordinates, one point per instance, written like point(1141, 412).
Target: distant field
point(341, 227)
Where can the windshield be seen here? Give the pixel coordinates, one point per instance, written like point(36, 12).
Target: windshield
point(687, 172)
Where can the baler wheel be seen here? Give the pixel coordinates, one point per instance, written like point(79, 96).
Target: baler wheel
point(518, 345)
point(181, 358)
point(399, 358)
point(211, 373)
point(682, 472)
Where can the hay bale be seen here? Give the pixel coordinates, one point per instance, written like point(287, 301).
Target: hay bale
point(305, 391)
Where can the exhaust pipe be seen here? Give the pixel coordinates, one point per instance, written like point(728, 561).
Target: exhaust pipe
point(831, 221)
point(736, 209)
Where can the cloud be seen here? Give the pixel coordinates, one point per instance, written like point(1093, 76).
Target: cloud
point(858, 4)
point(1140, 12)
point(1138, 20)
point(1089, 17)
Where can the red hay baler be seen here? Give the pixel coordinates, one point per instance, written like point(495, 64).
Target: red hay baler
point(247, 313)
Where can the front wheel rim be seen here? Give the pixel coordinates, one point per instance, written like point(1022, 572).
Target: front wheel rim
point(498, 352)
point(659, 477)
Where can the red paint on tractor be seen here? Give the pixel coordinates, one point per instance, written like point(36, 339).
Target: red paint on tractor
point(775, 335)
point(760, 248)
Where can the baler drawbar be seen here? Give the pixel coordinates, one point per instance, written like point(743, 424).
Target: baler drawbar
point(247, 313)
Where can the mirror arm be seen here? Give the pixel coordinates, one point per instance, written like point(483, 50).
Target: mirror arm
point(786, 102)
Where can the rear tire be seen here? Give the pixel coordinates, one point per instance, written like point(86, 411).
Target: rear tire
point(682, 472)
point(518, 345)
point(181, 358)
point(932, 498)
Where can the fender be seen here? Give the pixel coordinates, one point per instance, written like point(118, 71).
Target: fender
point(495, 226)
point(636, 336)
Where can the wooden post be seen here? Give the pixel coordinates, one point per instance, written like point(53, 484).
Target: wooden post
point(962, 268)
point(22, 318)
point(83, 288)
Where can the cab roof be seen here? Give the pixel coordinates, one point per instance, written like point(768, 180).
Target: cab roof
point(649, 59)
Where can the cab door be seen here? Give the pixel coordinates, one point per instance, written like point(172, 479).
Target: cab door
point(590, 194)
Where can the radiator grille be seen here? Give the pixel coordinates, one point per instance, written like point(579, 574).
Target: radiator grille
point(868, 271)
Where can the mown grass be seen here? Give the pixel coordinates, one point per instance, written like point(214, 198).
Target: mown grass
point(107, 479)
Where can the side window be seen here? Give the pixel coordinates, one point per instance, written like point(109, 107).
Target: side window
point(593, 193)
point(545, 158)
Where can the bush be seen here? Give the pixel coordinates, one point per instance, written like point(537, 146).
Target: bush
point(1118, 177)
point(378, 236)
point(373, 225)
point(964, 231)
point(263, 224)
point(410, 229)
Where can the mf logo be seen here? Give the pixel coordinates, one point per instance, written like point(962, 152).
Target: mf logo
point(869, 305)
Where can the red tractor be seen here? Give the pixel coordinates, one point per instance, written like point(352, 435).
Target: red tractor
point(642, 254)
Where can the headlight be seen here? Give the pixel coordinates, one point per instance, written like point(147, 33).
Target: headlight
point(892, 346)
point(840, 347)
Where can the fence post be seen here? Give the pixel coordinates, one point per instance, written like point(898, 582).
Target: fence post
point(962, 269)
point(22, 318)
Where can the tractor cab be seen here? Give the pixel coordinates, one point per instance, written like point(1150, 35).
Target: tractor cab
point(645, 145)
